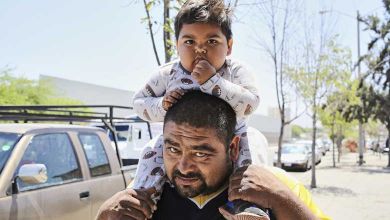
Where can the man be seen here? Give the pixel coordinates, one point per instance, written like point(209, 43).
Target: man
point(198, 154)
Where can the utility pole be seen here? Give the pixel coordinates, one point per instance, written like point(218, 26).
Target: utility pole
point(361, 129)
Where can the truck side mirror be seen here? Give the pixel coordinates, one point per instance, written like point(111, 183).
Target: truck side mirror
point(33, 173)
point(30, 174)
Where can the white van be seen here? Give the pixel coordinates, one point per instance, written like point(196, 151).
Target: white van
point(132, 135)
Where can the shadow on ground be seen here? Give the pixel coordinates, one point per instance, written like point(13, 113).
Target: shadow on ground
point(370, 169)
point(333, 191)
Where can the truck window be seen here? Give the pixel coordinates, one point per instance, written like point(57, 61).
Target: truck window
point(96, 155)
point(56, 152)
point(7, 142)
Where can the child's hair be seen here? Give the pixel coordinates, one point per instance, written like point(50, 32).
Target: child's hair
point(204, 11)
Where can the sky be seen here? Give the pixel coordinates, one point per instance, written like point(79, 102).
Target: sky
point(104, 42)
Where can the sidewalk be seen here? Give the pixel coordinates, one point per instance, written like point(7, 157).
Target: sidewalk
point(349, 191)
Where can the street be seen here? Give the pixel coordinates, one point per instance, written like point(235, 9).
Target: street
point(349, 191)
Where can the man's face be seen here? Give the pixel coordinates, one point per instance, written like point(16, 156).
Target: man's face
point(195, 160)
point(202, 41)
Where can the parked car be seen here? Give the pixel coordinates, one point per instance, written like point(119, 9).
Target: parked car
point(319, 148)
point(295, 156)
point(53, 171)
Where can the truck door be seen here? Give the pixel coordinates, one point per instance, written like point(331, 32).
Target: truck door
point(64, 196)
point(103, 182)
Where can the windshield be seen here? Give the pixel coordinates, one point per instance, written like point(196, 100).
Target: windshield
point(7, 143)
point(121, 130)
point(294, 150)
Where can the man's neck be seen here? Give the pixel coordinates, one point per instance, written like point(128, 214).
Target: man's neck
point(202, 200)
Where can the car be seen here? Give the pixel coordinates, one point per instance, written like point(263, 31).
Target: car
point(57, 171)
point(295, 156)
point(319, 148)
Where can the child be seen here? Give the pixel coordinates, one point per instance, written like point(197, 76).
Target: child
point(204, 40)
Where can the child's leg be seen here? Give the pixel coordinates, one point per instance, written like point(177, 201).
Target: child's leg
point(239, 209)
point(244, 157)
point(150, 170)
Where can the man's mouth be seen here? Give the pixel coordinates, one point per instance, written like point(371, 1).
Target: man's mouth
point(185, 180)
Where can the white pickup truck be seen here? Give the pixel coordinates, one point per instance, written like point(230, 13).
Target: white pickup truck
point(54, 171)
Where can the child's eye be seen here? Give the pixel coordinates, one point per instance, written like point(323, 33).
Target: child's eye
point(189, 42)
point(200, 154)
point(212, 42)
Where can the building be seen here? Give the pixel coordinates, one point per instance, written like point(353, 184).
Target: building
point(91, 94)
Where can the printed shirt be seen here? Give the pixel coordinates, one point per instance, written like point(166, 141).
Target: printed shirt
point(232, 83)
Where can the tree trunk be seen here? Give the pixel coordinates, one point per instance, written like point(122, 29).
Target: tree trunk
point(388, 143)
point(167, 33)
point(280, 142)
point(313, 150)
point(333, 134)
point(150, 27)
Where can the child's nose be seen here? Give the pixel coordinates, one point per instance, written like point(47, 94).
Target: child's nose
point(200, 50)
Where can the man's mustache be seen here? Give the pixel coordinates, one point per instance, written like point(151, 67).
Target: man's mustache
point(177, 173)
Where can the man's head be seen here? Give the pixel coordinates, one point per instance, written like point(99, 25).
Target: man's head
point(199, 143)
point(203, 31)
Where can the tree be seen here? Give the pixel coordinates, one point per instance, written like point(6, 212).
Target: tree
point(374, 89)
point(317, 75)
point(278, 16)
point(23, 91)
point(168, 6)
point(330, 114)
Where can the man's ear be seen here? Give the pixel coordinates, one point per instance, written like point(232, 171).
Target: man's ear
point(234, 148)
point(177, 51)
point(230, 46)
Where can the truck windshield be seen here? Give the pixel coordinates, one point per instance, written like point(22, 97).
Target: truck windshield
point(7, 143)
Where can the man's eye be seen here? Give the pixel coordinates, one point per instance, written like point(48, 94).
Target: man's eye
point(172, 150)
point(212, 42)
point(189, 42)
point(200, 154)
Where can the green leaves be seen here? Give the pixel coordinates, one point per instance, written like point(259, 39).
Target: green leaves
point(23, 91)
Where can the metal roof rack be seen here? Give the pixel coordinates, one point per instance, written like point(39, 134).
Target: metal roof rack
point(70, 114)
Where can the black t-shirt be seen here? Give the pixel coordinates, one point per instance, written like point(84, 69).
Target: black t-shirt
point(172, 206)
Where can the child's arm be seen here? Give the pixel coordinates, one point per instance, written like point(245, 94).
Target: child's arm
point(241, 93)
point(147, 102)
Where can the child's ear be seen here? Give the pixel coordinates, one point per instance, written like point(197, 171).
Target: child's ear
point(234, 148)
point(230, 46)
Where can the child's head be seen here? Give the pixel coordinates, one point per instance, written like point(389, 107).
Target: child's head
point(203, 31)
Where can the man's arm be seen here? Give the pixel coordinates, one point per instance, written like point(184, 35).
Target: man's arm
point(258, 185)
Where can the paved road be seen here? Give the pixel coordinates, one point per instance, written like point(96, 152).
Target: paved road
point(349, 191)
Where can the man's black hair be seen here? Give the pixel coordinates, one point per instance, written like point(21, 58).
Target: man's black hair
point(201, 110)
point(205, 11)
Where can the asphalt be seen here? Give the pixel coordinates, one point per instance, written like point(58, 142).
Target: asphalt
point(349, 191)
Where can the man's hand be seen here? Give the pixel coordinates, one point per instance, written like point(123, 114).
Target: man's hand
point(203, 71)
point(171, 98)
point(257, 185)
point(128, 204)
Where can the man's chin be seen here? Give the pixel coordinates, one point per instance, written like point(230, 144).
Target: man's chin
point(189, 191)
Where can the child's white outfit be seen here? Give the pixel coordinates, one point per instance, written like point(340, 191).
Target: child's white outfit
point(232, 83)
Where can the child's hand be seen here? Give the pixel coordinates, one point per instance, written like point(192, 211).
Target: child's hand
point(203, 71)
point(171, 98)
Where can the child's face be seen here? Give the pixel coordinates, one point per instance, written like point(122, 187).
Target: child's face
point(202, 41)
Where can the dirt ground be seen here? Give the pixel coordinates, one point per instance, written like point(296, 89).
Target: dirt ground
point(350, 191)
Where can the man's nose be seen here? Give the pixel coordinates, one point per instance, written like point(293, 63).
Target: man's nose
point(185, 164)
